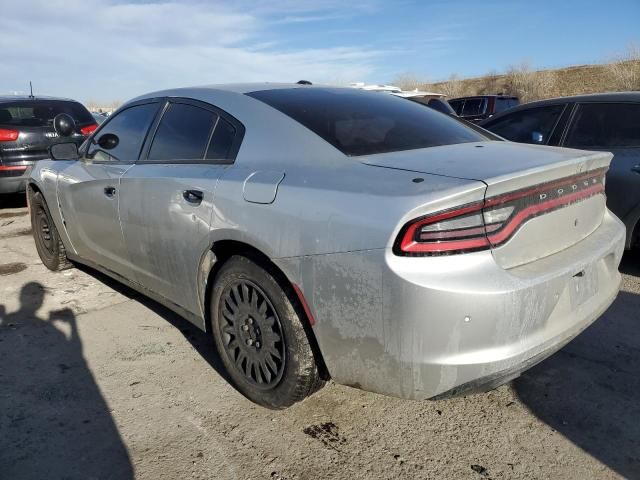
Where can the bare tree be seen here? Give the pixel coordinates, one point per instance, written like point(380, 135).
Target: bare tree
point(408, 81)
point(491, 83)
point(91, 105)
point(529, 85)
point(623, 72)
point(115, 104)
point(453, 87)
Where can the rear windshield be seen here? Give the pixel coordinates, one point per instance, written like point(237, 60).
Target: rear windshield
point(364, 123)
point(40, 113)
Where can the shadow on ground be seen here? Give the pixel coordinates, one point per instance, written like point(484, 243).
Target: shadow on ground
point(201, 341)
point(54, 422)
point(631, 263)
point(14, 200)
point(590, 391)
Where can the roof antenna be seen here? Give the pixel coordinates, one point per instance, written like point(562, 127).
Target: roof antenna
point(31, 90)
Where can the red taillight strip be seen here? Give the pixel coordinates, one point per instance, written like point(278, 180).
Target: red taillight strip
point(8, 168)
point(534, 210)
point(88, 129)
point(408, 244)
point(525, 192)
point(8, 135)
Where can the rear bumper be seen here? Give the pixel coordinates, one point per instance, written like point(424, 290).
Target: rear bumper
point(462, 323)
point(14, 181)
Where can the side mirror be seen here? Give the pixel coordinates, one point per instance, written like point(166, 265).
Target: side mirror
point(64, 125)
point(537, 137)
point(108, 141)
point(64, 151)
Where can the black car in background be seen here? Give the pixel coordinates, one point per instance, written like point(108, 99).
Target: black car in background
point(26, 133)
point(479, 107)
point(605, 121)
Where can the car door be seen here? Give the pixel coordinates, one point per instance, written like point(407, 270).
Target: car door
point(167, 198)
point(88, 190)
point(612, 127)
point(534, 125)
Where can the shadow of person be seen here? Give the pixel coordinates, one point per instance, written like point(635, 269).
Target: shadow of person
point(590, 391)
point(54, 422)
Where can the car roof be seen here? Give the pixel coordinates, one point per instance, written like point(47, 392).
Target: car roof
point(590, 97)
point(19, 98)
point(485, 96)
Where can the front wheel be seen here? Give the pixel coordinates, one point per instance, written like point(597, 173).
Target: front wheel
point(260, 337)
point(45, 234)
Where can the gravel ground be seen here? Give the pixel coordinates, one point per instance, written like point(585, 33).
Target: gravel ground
point(97, 382)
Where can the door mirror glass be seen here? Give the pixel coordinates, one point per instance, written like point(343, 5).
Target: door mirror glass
point(537, 137)
point(64, 125)
point(64, 151)
point(108, 141)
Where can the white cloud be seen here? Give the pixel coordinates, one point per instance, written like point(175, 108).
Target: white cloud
point(106, 50)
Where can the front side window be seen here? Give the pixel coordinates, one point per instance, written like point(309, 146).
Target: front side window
point(130, 127)
point(364, 123)
point(605, 125)
point(183, 133)
point(533, 125)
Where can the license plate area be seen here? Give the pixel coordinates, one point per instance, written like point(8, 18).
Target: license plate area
point(583, 285)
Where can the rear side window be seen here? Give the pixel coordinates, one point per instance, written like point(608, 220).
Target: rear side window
point(363, 123)
point(503, 104)
point(222, 141)
point(130, 126)
point(474, 106)
point(533, 125)
point(183, 133)
point(40, 113)
point(605, 125)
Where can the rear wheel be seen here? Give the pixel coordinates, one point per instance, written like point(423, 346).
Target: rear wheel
point(260, 337)
point(47, 240)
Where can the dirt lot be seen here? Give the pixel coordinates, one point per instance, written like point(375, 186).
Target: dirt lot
point(97, 382)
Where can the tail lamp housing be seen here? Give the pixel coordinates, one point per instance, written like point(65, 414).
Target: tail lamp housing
point(8, 135)
point(492, 222)
point(89, 129)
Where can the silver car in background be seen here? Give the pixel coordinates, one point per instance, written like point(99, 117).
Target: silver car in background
point(321, 233)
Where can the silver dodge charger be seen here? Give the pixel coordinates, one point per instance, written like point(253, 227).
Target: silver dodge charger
point(320, 233)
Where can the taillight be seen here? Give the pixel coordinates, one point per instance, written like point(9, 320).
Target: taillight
point(489, 224)
point(451, 231)
point(88, 129)
point(7, 135)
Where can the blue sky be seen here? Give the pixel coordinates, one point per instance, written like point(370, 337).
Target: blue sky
point(116, 49)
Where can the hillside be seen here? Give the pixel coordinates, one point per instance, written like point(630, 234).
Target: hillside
point(533, 85)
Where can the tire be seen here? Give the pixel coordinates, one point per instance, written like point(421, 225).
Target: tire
point(260, 337)
point(46, 236)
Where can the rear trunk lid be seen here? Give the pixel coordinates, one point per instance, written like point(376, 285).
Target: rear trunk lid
point(546, 198)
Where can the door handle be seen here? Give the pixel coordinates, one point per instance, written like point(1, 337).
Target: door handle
point(110, 191)
point(193, 196)
point(636, 168)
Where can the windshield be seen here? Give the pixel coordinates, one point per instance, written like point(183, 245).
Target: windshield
point(364, 123)
point(40, 113)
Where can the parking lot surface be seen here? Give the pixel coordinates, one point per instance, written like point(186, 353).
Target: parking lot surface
point(99, 382)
